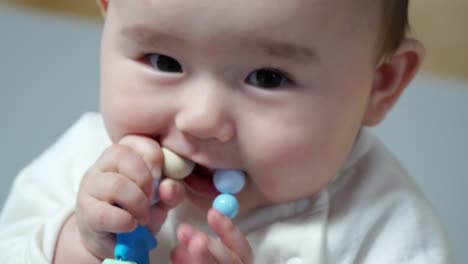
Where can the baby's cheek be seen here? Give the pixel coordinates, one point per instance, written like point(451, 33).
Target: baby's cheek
point(281, 151)
point(123, 117)
point(118, 126)
point(275, 162)
point(292, 169)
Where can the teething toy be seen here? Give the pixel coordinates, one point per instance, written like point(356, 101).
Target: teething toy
point(226, 204)
point(228, 183)
point(134, 247)
point(114, 261)
point(174, 166)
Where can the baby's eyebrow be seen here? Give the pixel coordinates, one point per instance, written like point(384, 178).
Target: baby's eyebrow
point(284, 50)
point(147, 37)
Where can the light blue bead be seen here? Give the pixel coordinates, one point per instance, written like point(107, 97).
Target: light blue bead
point(229, 181)
point(227, 204)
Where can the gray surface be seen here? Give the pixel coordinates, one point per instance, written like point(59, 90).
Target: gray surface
point(428, 132)
point(49, 76)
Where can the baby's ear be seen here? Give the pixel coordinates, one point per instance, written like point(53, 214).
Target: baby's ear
point(102, 6)
point(391, 78)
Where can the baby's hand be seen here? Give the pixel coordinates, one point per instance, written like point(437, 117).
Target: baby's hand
point(116, 192)
point(196, 247)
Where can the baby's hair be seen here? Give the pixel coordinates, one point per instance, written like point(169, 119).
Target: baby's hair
point(395, 24)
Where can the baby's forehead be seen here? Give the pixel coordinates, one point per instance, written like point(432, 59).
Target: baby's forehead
point(292, 21)
point(259, 7)
point(306, 13)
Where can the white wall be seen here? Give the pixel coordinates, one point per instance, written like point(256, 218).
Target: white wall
point(49, 76)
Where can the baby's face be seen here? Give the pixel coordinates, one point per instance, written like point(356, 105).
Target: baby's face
point(277, 89)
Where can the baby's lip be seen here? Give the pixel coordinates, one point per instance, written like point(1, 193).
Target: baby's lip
point(201, 181)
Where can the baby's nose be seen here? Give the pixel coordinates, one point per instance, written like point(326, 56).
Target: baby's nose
point(206, 114)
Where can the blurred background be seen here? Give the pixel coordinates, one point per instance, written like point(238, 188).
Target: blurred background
point(49, 76)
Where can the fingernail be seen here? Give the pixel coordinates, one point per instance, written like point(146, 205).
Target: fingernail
point(169, 184)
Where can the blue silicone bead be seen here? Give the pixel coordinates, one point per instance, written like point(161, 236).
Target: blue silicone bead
point(227, 204)
point(229, 181)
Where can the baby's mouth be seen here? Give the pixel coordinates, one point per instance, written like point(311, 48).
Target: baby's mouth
point(201, 181)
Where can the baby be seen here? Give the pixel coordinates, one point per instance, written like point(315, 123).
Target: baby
point(281, 90)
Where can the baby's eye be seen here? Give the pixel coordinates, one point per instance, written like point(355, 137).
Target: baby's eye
point(164, 63)
point(267, 78)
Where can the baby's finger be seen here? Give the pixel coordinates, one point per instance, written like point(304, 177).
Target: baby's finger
point(200, 248)
point(196, 247)
point(104, 217)
point(230, 235)
point(120, 191)
point(171, 194)
point(148, 149)
point(185, 233)
point(124, 160)
point(158, 216)
point(134, 167)
point(181, 255)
